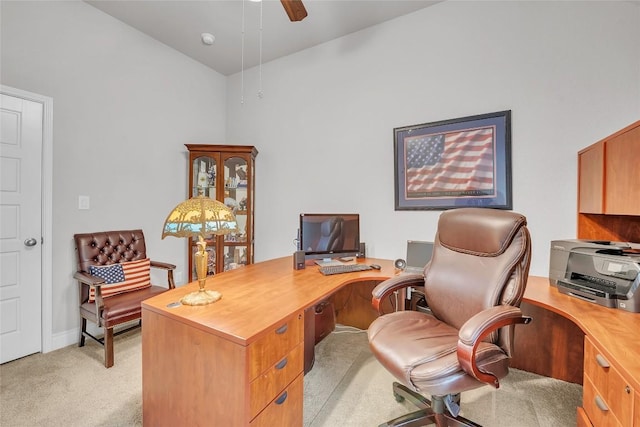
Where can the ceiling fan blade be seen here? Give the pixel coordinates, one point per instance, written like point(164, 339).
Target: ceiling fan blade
point(295, 9)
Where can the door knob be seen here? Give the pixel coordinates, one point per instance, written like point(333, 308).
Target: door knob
point(30, 242)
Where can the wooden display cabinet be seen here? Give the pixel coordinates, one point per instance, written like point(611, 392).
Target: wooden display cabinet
point(225, 173)
point(609, 187)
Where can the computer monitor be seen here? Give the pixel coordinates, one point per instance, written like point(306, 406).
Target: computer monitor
point(329, 235)
point(418, 255)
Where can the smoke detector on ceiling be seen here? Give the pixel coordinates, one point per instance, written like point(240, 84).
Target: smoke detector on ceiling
point(207, 38)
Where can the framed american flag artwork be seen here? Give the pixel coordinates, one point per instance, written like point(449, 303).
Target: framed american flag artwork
point(464, 162)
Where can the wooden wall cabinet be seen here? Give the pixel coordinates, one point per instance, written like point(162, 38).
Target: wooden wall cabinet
point(609, 187)
point(622, 174)
point(225, 173)
point(591, 179)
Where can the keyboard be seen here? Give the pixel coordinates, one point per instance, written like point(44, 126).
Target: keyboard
point(343, 268)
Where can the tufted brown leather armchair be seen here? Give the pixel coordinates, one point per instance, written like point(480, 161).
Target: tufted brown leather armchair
point(107, 248)
point(473, 287)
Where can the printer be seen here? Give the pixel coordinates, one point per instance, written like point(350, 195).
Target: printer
point(602, 272)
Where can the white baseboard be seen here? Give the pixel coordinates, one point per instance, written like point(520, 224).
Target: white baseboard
point(64, 339)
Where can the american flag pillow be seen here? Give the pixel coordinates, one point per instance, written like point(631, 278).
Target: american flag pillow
point(123, 277)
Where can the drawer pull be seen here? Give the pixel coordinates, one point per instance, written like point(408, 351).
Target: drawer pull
point(602, 361)
point(600, 404)
point(282, 329)
point(281, 364)
point(281, 399)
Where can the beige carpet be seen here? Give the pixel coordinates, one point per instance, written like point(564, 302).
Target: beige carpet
point(347, 387)
point(71, 387)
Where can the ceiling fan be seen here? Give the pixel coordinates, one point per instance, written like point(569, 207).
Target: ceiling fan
point(295, 9)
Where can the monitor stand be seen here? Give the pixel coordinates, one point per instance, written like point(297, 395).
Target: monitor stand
point(327, 261)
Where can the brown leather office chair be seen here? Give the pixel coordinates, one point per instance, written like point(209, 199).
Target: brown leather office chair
point(473, 286)
point(114, 278)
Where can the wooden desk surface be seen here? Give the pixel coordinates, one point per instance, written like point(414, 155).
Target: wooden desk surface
point(257, 297)
point(615, 331)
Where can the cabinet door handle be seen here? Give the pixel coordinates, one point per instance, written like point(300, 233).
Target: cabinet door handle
point(602, 361)
point(281, 399)
point(282, 363)
point(282, 329)
point(600, 404)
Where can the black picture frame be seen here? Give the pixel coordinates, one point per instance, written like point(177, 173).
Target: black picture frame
point(448, 164)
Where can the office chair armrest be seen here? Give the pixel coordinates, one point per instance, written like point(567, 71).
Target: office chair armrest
point(169, 268)
point(384, 289)
point(476, 329)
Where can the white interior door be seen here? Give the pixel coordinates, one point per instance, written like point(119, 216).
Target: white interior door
point(21, 138)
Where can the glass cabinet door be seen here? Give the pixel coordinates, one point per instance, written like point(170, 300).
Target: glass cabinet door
point(234, 256)
point(211, 260)
point(203, 182)
point(203, 177)
point(236, 198)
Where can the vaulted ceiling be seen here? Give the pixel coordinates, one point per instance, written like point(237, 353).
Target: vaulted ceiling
point(236, 25)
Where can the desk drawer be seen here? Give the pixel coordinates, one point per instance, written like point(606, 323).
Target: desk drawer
point(606, 394)
point(274, 380)
point(596, 407)
point(636, 410)
point(272, 347)
point(582, 420)
point(285, 409)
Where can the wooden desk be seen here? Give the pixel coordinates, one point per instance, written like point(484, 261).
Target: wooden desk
point(565, 337)
point(218, 364)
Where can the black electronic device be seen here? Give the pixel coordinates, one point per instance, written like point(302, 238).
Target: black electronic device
point(329, 235)
point(298, 260)
point(363, 251)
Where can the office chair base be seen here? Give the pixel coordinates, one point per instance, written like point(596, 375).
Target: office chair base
point(429, 412)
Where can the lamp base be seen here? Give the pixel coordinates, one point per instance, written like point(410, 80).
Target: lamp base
point(201, 297)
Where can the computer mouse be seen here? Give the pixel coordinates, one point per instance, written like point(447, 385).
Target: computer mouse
point(375, 266)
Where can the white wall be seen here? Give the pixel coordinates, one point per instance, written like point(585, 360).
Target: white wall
point(124, 106)
point(569, 71)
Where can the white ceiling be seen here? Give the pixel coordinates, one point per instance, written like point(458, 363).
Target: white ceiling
point(179, 25)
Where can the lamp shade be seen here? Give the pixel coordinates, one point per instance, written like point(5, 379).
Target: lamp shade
point(199, 216)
